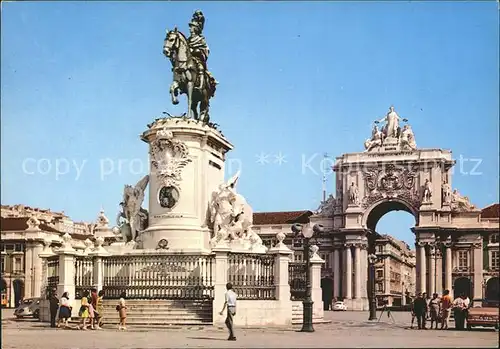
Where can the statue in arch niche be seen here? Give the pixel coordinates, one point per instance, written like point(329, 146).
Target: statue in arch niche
point(353, 194)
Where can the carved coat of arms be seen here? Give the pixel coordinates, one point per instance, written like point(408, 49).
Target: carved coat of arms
point(168, 157)
point(390, 182)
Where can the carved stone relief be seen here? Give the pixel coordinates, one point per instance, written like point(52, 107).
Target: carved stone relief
point(169, 156)
point(393, 182)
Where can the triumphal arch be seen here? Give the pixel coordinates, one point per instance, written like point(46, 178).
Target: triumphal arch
point(392, 173)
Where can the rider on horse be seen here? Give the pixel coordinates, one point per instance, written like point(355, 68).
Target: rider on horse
point(200, 51)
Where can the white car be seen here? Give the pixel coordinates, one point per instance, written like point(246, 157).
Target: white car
point(339, 306)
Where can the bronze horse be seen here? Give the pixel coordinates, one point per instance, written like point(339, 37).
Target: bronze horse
point(186, 76)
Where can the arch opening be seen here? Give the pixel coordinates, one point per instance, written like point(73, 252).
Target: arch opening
point(492, 289)
point(462, 285)
point(18, 286)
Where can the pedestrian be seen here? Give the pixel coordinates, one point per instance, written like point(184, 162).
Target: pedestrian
point(427, 301)
point(100, 309)
point(122, 312)
point(420, 309)
point(230, 303)
point(54, 307)
point(445, 309)
point(95, 313)
point(434, 309)
point(412, 311)
point(83, 313)
point(64, 310)
point(460, 308)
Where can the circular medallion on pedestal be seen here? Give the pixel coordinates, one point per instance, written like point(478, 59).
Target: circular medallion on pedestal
point(168, 197)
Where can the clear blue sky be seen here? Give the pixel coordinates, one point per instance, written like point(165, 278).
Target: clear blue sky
point(81, 80)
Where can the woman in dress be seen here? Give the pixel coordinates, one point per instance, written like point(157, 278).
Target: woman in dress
point(84, 310)
point(64, 310)
point(434, 309)
point(100, 309)
point(122, 312)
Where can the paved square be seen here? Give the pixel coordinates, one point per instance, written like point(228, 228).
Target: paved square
point(348, 329)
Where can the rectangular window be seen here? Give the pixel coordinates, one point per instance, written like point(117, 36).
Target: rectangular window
point(2, 266)
point(494, 238)
point(297, 257)
point(19, 248)
point(495, 262)
point(9, 247)
point(297, 243)
point(325, 257)
point(463, 259)
point(380, 287)
point(380, 274)
point(18, 265)
point(380, 249)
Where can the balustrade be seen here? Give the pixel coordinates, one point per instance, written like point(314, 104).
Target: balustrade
point(84, 268)
point(297, 280)
point(252, 275)
point(159, 276)
point(52, 273)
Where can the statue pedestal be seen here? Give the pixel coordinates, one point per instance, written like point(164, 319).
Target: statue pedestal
point(390, 144)
point(186, 167)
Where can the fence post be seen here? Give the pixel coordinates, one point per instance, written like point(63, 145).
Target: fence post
point(316, 294)
point(67, 270)
point(282, 256)
point(47, 252)
point(98, 271)
point(221, 270)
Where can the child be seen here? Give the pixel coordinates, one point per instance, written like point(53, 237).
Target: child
point(122, 312)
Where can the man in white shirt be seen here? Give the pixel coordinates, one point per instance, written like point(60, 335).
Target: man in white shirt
point(230, 303)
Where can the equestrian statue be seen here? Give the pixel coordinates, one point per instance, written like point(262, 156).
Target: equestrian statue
point(189, 66)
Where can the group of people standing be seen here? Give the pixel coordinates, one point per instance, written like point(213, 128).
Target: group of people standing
point(91, 310)
point(438, 310)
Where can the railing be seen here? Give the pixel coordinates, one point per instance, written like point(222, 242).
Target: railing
point(159, 276)
point(297, 280)
point(84, 271)
point(252, 275)
point(52, 273)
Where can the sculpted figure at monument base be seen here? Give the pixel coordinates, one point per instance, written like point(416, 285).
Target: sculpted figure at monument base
point(231, 218)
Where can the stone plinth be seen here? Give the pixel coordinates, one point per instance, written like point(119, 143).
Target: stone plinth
point(186, 167)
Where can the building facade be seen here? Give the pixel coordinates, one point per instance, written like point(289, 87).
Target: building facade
point(24, 232)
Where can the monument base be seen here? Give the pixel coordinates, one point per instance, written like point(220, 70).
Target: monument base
point(174, 238)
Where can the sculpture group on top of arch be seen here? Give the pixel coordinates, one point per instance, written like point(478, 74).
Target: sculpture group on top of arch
point(391, 136)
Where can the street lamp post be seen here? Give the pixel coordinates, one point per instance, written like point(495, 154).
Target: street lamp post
point(307, 232)
point(371, 298)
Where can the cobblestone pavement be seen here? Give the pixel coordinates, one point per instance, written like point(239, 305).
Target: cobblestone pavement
point(347, 329)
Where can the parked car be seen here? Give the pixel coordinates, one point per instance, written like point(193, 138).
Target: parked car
point(339, 306)
point(28, 308)
point(483, 313)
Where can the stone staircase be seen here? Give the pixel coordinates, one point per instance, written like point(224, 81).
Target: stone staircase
point(160, 313)
point(297, 315)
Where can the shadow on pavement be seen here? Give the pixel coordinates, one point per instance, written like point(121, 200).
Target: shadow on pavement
point(208, 338)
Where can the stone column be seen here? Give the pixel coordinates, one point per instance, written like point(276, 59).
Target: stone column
point(33, 270)
point(316, 293)
point(357, 272)
point(67, 271)
point(282, 258)
point(336, 273)
point(220, 272)
point(439, 270)
point(347, 272)
point(449, 270)
point(478, 270)
point(422, 270)
point(364, 276)
point(432, 271)
point(98, 265)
